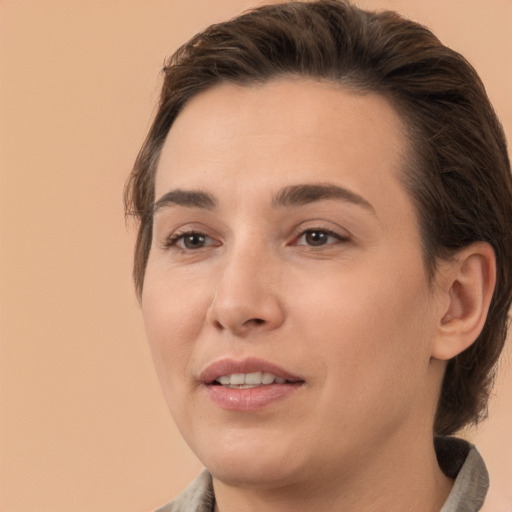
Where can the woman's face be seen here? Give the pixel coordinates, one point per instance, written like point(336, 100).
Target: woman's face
point(285, 299)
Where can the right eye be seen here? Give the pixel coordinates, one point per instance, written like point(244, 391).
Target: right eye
point(190, 240)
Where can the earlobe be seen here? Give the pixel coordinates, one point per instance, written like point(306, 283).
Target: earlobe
point(468, 285)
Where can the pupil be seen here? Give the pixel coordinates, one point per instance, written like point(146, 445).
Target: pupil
point(193, 241)
point(316, 238)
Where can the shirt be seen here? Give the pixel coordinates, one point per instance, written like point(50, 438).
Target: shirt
point(457, 458)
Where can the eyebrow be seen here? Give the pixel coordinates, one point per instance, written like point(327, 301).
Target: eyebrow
point(293, 195)
point(187, 198)
point(298, 195)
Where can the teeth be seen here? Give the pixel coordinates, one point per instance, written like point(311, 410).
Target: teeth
point(237, 378)
point(267, 378)
point(249, 380)
point(253, 378)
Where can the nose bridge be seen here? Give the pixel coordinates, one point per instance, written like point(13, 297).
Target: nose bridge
point(246, 295)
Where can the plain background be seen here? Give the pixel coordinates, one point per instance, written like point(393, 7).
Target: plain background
point(83, 424)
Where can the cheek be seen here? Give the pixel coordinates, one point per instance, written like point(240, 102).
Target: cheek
point(369, 327)
point(173, 315)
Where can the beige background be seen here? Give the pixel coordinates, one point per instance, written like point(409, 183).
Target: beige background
point(83, 423)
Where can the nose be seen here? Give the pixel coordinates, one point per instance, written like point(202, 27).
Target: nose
point(246, 299)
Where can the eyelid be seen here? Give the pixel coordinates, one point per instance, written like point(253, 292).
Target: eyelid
point(173, 240)
point(341, 235)
point(329, 233)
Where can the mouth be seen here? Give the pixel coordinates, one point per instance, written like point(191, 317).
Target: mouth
point(249, 380)
point(247, 385)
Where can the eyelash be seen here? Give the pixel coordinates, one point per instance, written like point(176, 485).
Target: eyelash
point(176, 238)
point(179, 237)
point(326, 232)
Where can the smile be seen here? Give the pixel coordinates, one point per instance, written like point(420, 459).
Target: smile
point(248, 380)
point(248, 385)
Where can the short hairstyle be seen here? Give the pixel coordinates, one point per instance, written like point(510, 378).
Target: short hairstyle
point(457, 173)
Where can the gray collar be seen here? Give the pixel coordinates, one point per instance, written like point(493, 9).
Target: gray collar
point(197, 497)
point(461, 460)
point(457, 458)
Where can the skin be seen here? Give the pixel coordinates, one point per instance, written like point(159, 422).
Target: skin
point(355, 317)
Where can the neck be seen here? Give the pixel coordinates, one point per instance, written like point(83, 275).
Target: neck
point(386, 479)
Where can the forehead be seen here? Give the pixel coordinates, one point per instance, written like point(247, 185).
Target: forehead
point(289, 110)
point(285, 132)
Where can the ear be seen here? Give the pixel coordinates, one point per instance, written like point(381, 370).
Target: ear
point(467, 285)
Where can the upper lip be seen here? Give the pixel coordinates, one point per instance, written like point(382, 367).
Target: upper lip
point(229, 366)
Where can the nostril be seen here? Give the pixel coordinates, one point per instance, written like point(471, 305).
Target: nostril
point(257, 321)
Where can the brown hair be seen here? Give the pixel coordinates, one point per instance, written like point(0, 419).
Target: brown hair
point(458, 174)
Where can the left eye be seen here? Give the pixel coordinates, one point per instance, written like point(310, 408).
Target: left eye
point(318, 237)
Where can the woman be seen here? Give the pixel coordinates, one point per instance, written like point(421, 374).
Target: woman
point(323, 261)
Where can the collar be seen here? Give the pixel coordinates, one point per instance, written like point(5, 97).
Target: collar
point(457, 458)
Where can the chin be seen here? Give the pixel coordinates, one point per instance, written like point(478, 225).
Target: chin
point(253, 464)
point(262, 474)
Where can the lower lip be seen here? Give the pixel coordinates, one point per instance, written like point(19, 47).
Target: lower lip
point(250, 399)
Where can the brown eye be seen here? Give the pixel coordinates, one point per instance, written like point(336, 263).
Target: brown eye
point(316, 238)
point(319, 237)
point(193, 240)
point(190, 241)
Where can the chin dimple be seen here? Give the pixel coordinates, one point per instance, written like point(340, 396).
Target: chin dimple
point(248, 380)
